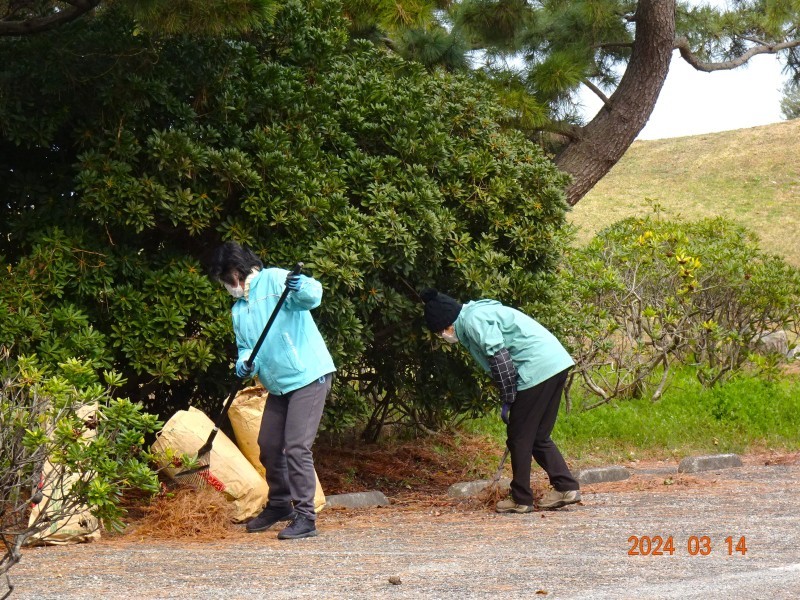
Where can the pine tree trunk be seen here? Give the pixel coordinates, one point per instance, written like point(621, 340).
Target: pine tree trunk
point(605, 138)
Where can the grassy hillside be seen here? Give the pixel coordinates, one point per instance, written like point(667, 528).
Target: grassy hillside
point(749, 175)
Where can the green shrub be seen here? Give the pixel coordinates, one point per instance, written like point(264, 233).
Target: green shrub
point(126, 159)
point(648, 294)
point(61, 432)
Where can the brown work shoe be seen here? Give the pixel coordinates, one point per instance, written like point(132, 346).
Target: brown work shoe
point(554, 499)
point(509, 506)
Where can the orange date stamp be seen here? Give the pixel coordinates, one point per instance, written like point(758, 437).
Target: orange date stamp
point(696, 545)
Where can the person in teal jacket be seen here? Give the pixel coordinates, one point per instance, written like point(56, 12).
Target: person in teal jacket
point(530, 367)
point(294, 366)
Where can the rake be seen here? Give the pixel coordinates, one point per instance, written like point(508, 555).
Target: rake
point(199, 473)
point(492, 493)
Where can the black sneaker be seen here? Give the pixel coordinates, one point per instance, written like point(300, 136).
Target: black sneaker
point(269, 516)
point(300, 527)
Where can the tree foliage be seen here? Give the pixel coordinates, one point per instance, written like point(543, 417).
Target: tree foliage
point(126, 162)
point(538, 54)
point(541, 54)
point(206, 17)
point(790, 103)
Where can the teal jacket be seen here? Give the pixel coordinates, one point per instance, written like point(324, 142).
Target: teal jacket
point(485, 327)
point(293, 353)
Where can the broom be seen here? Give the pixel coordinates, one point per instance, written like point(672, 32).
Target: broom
point(199, 474)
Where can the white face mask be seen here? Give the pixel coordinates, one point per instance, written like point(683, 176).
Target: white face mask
point(450, 338)
point(235, 291)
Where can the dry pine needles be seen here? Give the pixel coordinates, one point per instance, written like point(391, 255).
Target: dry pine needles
point(200, 514)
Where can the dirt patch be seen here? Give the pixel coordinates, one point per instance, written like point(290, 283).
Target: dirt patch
point(772, 458)
point(406, 469)
point(415, 475)
point(792, 368)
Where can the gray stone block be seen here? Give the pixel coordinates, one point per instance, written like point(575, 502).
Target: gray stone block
point(694, 464)
point(776, 342)
point(467, 489)
point(602, 475)
point(357, 500)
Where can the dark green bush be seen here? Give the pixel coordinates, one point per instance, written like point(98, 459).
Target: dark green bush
point(127, 158)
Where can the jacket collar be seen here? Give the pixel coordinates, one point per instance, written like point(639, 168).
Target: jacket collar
point(248, 281)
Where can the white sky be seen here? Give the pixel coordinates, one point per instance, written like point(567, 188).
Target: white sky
point(693, 102)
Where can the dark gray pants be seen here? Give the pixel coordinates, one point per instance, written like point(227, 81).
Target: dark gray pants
point(288, 429)
point(533, 416)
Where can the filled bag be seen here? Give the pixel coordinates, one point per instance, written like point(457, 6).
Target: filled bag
point(67, 524)
point(229, 471)
point(79, 526)
point(245, 416)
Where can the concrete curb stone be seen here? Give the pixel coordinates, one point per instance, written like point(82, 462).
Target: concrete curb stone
point(357, 500)
point(602, 475)
point(695, 464)
point(466, 489)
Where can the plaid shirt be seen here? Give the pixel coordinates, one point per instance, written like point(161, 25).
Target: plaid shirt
point(504, 375)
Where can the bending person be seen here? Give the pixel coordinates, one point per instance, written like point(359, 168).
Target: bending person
point(530, 367)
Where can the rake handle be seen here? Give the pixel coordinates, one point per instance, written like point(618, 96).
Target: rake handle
point(499, 472)
point(251, 359)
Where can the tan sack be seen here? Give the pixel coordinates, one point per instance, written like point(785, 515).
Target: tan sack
point(245, 416)
point(79, 524)
point(229, 471)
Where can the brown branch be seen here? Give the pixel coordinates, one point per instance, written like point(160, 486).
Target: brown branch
point(598, 92)
point(613, 45)
point(682, 44)
point(40, 24)
point(568, 130)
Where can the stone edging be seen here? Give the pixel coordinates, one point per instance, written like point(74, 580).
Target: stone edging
point(690, 464)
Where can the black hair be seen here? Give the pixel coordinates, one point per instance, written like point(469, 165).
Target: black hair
point(230, 258)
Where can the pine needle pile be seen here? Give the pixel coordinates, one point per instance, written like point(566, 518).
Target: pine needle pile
point(200, 514)
point(492, 494)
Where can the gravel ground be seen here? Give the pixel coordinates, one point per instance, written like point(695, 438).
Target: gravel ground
point(462, 552)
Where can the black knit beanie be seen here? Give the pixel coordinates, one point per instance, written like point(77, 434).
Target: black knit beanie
point(441, 310)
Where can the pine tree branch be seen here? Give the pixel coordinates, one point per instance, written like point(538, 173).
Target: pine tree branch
point(598, 92)
point(40, 24)
point(567, 130)
point(682, 44)
point(606, 45)
point(389, 43)
point(755, 40)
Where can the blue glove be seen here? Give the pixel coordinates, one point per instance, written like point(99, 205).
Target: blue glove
point(504, 413)
point(293, 282)
point(244, 370)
